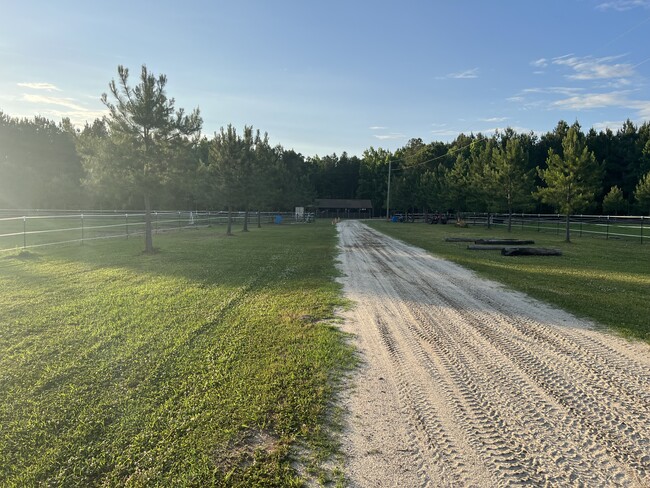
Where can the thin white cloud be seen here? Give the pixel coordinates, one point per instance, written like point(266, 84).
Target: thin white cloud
point(622, 5)
point(63, 102)
point(377, 127)
point(462, 75)
point(445, 133)
point(607, 124)
point(40, 86)
point(589, 68)
point(615, 84)
point(592, 100)
point(383, 137)
point(558, 90)
point(618, 99)
point(540, 63)
point(494, 119)
point(643, 107)
point(57, 108)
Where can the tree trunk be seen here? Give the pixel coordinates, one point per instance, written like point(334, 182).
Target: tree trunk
point(568, 228)
point(530, 251)
point(504, 242)
point(245, 229)
point(148, 239)
point(229, 229)
point(259, 219)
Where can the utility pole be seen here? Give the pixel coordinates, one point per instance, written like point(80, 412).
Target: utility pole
point(390, 165)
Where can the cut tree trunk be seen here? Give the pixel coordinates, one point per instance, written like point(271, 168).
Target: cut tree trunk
point(461, 239)
point(475, 247)
point(530, 251)
point(504, 242)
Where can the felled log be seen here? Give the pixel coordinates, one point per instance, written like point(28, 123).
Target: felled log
point(461, 239)
point(483, 247)
point(504, 242)
point(530, 251)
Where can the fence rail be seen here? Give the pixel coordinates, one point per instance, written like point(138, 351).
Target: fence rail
point(38, 228)
point(604, 226)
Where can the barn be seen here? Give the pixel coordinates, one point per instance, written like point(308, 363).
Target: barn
point(344, 208)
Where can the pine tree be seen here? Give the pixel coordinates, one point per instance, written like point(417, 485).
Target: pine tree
point(511, 176)
point(614, 201)
point(572, 179)
point(642, 192)
point(144, 127)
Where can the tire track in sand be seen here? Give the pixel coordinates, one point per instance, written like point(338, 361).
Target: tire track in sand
point(465, 383)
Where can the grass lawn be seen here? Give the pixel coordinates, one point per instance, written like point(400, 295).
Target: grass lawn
point(607, 281)
point(208, 363)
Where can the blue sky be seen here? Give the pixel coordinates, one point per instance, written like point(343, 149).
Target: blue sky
point(333, 76)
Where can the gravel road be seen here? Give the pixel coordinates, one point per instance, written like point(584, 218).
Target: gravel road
point(464, 383)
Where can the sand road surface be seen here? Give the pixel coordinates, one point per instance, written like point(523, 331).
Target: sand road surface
point(464, 383)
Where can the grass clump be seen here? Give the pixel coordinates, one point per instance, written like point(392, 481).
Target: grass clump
point(200, 365)
point(607, 281)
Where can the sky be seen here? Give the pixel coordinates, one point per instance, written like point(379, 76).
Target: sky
point(324, 77)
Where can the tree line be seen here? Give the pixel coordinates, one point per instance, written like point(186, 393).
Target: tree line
point(147, 154)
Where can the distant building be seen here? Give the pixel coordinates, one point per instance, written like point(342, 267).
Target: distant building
point(344, 208)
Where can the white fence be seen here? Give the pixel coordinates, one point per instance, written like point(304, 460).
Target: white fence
point(25, 229)
point(604, 226)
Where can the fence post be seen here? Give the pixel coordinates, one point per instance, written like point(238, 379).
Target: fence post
point(82, 229)
point(25, 232)
point(539, 217)
point(642, 229)
point(126, 223)
point(179, 220)
point(156, 215)
point(607, 227)
point(581, 225)
point(557, 224)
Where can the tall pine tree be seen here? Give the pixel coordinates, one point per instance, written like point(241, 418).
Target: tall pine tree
point(572, 178)
point(144, 128)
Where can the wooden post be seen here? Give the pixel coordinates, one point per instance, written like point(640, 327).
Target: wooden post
point(126, 224)
point(25, 232)
point(82, 229)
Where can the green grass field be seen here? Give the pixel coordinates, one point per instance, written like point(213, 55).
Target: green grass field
point(208, 363)
point(607, 281)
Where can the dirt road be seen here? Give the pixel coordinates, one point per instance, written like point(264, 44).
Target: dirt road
point(464, 383)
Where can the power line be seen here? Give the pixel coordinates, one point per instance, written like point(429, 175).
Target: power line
point(448, 153)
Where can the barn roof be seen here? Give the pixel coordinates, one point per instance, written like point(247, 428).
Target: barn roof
point(342, 203)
